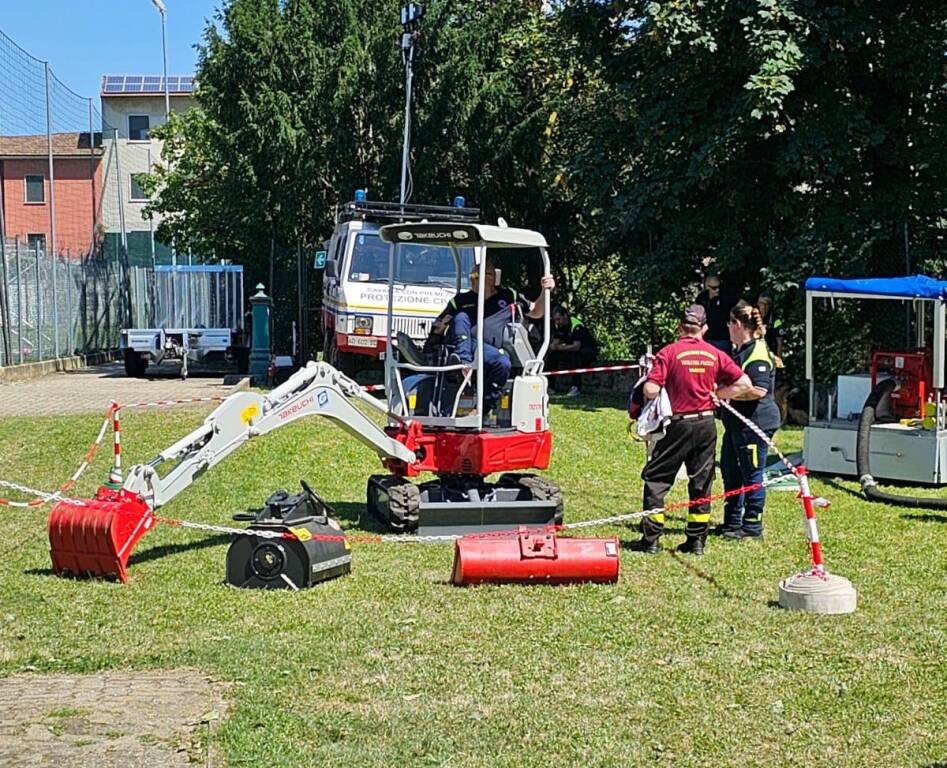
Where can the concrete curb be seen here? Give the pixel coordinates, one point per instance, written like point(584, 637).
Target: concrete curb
point(27, 371)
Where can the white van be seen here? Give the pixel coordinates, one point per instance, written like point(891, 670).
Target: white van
point(355, 284)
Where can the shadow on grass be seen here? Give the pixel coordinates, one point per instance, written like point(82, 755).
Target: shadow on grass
point(635, 531)
point(685, 561)
point(834, 483)
point(69, 575)
point(354, 512)
point(928, 518)
point(590, 402)
point(154, 553)
point(166, 550)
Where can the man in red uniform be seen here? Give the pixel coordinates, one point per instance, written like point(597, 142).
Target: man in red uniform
point(694, 374)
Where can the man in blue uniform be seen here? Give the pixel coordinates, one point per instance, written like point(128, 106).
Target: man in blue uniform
point(456, 325)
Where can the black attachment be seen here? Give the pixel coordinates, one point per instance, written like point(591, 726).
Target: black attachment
point(311, 546)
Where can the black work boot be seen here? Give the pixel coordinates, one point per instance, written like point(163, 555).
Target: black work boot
point(693, 546)
point(647, 545)
point(650, 536)
point(723, 529)
point(742, 533)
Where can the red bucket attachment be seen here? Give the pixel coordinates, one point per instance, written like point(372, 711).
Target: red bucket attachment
point(534, 556)
point(97, 537)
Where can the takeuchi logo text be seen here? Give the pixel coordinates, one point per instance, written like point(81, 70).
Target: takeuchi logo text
point(294, 409)
point(430, 236)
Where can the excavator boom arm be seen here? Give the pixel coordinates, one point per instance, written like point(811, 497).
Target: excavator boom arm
point(316, 390)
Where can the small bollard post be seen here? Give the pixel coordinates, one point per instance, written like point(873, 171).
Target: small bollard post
point(816, 590)
point(261, 341)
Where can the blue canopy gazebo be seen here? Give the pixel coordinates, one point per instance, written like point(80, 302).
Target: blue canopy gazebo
point(899, 451)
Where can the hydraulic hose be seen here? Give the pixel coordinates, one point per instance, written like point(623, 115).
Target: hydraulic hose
point(862, 451)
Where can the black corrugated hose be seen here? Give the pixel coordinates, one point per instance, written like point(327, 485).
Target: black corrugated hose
point(862, 447)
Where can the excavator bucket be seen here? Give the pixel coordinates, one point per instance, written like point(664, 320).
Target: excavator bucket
point(96, 536)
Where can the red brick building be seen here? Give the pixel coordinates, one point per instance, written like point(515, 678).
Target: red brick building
point(26, 194)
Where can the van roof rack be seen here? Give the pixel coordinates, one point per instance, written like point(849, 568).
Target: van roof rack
point(372, 210)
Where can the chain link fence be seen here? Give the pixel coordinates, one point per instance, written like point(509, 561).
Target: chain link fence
point(52, 306)
point(78, 248)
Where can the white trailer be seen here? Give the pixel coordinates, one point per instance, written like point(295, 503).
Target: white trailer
point(197, 314)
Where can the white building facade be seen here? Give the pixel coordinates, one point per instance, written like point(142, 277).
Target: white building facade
point(132, 107)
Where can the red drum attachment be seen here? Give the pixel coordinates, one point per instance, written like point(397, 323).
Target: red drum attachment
point(534, 556)
point(97, 537)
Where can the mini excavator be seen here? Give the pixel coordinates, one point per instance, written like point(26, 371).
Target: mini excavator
point(431, 421)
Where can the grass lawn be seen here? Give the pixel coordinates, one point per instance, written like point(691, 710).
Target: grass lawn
point(685, 662)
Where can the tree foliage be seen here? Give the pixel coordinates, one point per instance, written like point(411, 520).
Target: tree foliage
point(765, 139)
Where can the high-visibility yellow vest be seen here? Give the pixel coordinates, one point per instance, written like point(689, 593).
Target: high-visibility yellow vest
point(760, 354)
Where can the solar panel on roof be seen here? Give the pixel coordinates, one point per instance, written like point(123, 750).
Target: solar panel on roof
point(147, 84)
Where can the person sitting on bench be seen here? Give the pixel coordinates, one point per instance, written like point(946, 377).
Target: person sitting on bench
point(455, 326)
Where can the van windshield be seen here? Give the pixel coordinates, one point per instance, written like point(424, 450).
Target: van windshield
point(414, 264)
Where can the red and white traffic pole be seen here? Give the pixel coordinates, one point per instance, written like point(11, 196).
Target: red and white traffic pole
point(115, 475)
point(817, 590)
point(812, 531)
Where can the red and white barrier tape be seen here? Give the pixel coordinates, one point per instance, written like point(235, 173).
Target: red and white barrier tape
point(166, 403)
point(42, 497)
point(809, 502)
point(410, 538)
point(596, 369)
point(111, 417)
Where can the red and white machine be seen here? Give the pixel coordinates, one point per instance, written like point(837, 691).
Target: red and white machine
point(433, 422)
point(912, 371)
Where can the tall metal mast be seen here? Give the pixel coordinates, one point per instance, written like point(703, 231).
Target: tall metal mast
point(411, 15)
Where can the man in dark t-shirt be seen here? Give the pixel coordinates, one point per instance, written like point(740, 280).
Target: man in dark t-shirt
point(572, 346)
point(716, 301)
point(694, 375)
point(456, 324)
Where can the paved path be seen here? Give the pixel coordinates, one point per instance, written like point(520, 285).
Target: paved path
point(90, 390)
point(115, 719)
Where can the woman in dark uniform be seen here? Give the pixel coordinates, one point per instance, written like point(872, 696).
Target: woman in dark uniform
point(743, 454)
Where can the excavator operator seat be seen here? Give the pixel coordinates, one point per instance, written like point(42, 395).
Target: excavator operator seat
point(517, 345)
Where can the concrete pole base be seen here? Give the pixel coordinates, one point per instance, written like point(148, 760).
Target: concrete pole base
point(813, 593)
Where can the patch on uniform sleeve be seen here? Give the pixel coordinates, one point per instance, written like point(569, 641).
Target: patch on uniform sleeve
point(761, 368)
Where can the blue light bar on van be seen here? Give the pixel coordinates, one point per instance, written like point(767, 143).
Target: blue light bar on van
point(361, 195)
point(460, 201)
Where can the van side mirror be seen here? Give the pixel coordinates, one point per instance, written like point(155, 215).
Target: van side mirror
point(332, 269)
